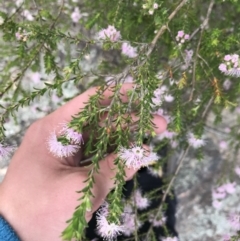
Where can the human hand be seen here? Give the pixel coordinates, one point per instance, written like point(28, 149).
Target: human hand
point(38, 193)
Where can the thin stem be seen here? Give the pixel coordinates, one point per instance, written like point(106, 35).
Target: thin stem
point(203, 26)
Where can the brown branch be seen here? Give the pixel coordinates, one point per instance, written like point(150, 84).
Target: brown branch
point(164, 27)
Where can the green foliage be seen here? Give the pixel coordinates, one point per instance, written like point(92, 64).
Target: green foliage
point(50, 42)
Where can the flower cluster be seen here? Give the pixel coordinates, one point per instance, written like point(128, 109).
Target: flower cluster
point(108, 231)
point(67, 144)
point(161, 94)
point(182, 37)
point(150, 7)
point(76, 15)
point(159, 221)
point(109, 33)
point(137, 157)
point(141, 202)
point(128, 50)
point(221, 192)
point(128, 219)
point(230, 66)
point(234, 221)
point(5, 151)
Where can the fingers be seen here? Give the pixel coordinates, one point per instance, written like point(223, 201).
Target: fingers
point(159, 123)
point(65, 113)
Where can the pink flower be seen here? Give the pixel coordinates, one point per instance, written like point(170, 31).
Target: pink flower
point(218, 195)
point(230, 187)
point(237, 171)
point(217, 204)
point(227, 84)
point(158, 95)
point(235, 58)
point(223, 67)
point(109, 33)
point(234, 221)
point(188, 57)
point(128, 50)
point(166, 134)
point(18, 36)
point(168, 98)
point(105, 229)
point(5, 151)
point(141, 202)
point(27, 15)
point(195, 142)
point(128, 219)
point(36, 77)
point(230, 66)
point(226, 237)
point(76, 16)
point(223, 145)
point(234, 72)
point(58, 149)
point(174, 143)
point(227, 57)
point(136, 157)
point(72, 135)
point(158, 222)
point(180, 34)
point(128, 79)
point(155, 6)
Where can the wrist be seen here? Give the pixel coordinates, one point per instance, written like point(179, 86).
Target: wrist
point(6, 231)
point(8, 227)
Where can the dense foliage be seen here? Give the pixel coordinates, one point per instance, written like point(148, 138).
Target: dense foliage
point(181, 56)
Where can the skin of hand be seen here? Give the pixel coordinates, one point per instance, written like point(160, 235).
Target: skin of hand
point(38, 194)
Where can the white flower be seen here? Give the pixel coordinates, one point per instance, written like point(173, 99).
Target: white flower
point(108, 231)
point(195, 142)
point(155, 6)
point(136, 157)
point(151, 12)
point(1, 20)
point(141, 202)
point(60, 150)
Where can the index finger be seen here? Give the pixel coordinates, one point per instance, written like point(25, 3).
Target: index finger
point(67, 111)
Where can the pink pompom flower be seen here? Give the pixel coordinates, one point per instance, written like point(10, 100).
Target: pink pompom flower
point(230, 66)
point(109, 33)
point(137, 157)
point(60, 149)
point(5, 151)
point(194, 141)
point(182, 36)
point(141, 202)
point(128, 50)
point(72, 135)
point(106, 230)
point(234, 221)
